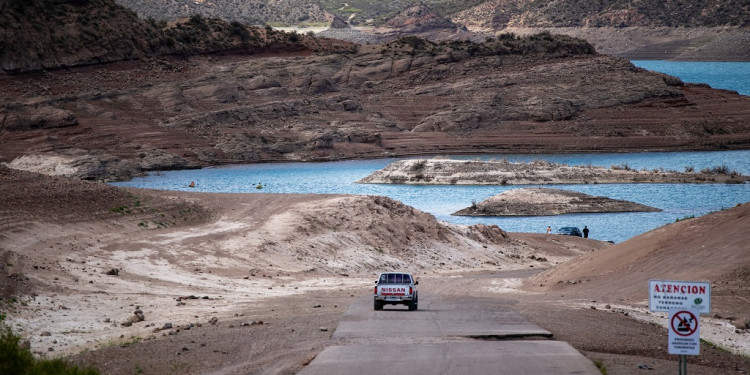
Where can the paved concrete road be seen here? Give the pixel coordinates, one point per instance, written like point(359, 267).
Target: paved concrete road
point(437, 317)
point(453, 358)
point(447, 335)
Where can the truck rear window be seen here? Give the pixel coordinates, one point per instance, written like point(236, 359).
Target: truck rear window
point(395, 278)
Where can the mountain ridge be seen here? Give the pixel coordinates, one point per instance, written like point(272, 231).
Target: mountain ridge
point(499, 14)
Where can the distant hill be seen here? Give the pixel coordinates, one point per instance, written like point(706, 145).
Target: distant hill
point(714, 30)
point(495, 14)
point(283, 12)
point(599, 13)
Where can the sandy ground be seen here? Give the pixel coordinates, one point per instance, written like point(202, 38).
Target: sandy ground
point(256, 283)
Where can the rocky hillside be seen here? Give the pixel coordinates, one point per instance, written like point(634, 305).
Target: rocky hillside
point(542, 93)
point(44, 34)
point(39, 34)
point(202, 91)
point(254, 12)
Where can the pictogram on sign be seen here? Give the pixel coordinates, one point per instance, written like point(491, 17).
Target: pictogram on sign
point(684, 323)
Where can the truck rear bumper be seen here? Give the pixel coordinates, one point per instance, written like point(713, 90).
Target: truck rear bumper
point(392, 299)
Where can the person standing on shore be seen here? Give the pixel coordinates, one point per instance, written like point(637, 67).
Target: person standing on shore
point(549, 230)
point(585, 232)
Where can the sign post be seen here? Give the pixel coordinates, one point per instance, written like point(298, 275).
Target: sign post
point(684, 335)
point(685, 301)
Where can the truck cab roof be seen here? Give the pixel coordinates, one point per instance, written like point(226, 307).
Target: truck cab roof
point(395, 278)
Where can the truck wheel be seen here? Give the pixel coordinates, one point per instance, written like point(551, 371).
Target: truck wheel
point(378, 305)
point(413, 305)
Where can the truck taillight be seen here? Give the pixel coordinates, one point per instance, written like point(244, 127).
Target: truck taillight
point(410, 291)
point(376, 289)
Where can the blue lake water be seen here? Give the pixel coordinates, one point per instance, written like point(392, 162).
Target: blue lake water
point(676, 200)
point(721, 75)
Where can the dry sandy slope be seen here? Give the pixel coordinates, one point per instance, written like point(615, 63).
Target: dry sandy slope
point(712, 248)
point(60, 238)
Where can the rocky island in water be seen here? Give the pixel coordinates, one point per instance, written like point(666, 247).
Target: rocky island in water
point(546, 202)
point(474, 172)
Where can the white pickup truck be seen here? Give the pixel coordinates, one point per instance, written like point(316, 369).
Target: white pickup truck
point(396, 288)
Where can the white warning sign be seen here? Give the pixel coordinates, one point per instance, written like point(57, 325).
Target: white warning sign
point(665, 295)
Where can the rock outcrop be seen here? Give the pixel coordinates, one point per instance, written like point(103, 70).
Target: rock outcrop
point(95, 166)
point(339, 23)
point(418, 18)
point(36, 117)
point(547, 202)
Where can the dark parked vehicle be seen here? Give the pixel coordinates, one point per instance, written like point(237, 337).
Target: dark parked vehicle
point(570, 231)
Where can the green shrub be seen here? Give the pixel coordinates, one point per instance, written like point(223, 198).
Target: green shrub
point(120, 210)
point(13, 360)
point(17, 360)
